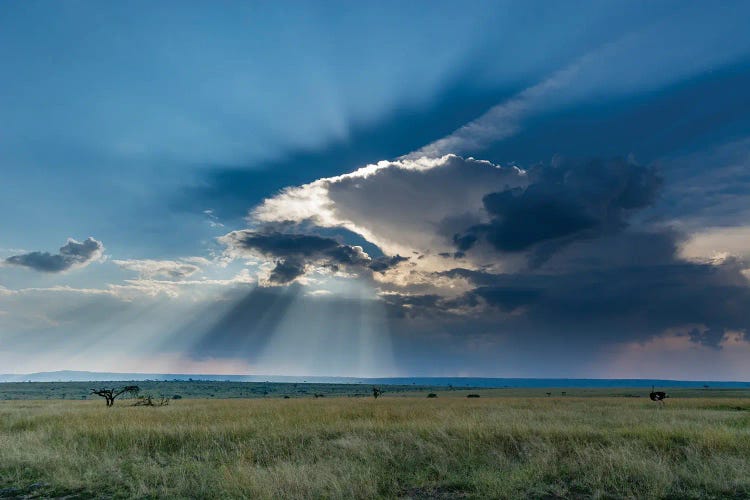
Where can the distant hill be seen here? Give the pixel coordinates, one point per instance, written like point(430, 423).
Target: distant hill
point(84, 376)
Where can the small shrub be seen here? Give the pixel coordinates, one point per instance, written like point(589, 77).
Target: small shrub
point(432, 395)
point(149, 400)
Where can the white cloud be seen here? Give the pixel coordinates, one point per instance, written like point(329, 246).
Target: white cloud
point(133, 289)
point(718, 242)
point(500, 121)
point(408, 207)
point(130, 290)
point(170, 269)
point(213, 220)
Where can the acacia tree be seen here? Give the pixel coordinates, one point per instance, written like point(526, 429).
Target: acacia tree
point(111, 394)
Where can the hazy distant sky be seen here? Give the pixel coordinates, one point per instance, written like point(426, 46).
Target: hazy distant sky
point(538, 189)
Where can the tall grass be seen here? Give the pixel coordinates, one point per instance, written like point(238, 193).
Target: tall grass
point(390, 447)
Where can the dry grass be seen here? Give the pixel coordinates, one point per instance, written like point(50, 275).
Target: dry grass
point(392, 447)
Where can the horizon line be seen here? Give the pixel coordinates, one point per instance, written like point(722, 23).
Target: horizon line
point(350, 377)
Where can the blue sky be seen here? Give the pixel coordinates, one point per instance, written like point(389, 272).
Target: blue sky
point(550, 186)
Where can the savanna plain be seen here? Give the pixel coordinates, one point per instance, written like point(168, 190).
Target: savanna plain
point(505, 444)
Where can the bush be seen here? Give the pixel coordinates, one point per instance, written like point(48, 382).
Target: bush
point(149, 400)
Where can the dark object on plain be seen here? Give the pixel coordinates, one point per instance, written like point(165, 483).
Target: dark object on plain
point(111, 394)
point(657, 396)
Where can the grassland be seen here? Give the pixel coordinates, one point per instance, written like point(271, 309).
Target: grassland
point(206, 389)
point(496, 446)
point(202, 389)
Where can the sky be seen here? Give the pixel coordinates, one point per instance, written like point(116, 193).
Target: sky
point(499, 189)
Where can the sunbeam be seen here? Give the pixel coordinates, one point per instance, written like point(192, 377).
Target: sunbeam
point(340, 333)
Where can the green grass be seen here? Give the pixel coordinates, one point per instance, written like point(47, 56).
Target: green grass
point(449, 447)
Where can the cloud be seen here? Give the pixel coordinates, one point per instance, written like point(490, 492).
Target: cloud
point(454, 211)
point(708, 190)
point(74, 254)
point(213, 220)
point(130, 290)
point(710, 337)
point(293, 253)
point(590, 75)
point(382, 264)
point(602, 302)
point(561, 255)
point(135, 317)
point(197, 288)
point(169, 269)
point(718, 243)
point(675, 355)
point(500, 121)
point(563, 202)
point(286, 271)
point(408, 207)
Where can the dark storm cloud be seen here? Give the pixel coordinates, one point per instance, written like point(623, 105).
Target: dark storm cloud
point(287, 270)
point(710, 337)
point(384, 263)
point(595, 278)
point(293, 252)
point(562, 203)
point(284, 244)
point(627, 300)
point(507, 298)
point(72, 254)
point(649, 125)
